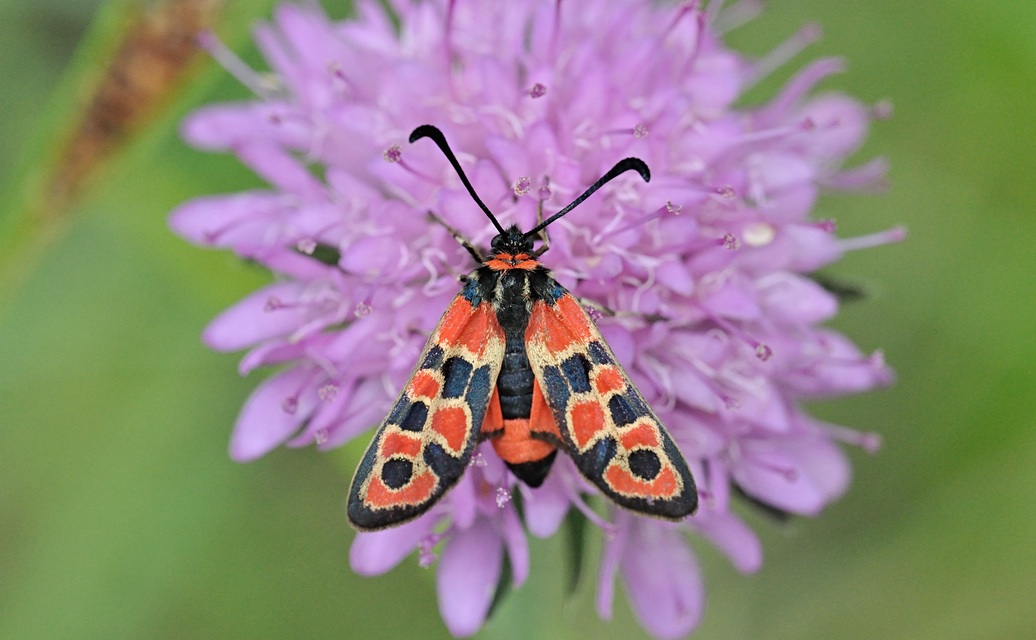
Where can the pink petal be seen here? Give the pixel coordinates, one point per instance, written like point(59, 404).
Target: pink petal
point(840, 123)
point(621, 341)
point(733, 302)
point(676, 276)
point(732, 537)
point(327, 414)
point(225, 220)
point(274, 411)
point(466, 580)
point(517, 545)
point(799, 475)
point(372, 255)
point(824, 463)
point(222, 126)
point(662, 579)
point(270, 353)
point(795, 299)
point(690, 388)
point(375, 552)
point(545, 507)
point(764, 406)
point(279, 168)
point(367, 407)
point(615, 543)
point(268, 313)
point(463, 500)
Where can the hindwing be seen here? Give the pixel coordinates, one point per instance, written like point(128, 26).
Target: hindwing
point(425, 444)
point(615, 439)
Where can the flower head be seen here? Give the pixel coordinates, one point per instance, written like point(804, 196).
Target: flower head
point(718, 323)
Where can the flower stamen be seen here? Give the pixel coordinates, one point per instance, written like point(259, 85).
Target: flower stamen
point(783, 53)
point(889, 236)
point(426, 549)
point(788, 473)
point(522, 186)
point(638, 131)
point(736, 16)
point(761, 350)
point(801, 84)
point(328, 392)
point(263, 86)
point(290, 405)
point(393, 154)
point(866, 440)
point(870, 175)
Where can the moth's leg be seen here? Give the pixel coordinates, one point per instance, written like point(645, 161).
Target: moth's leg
point(459, 237)
point(544, 238)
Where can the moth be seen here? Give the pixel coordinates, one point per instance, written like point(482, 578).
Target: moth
point(517, 361)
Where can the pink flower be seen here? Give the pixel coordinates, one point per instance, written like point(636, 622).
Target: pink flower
point(710, 263)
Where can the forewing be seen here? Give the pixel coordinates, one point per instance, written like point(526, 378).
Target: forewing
point(425, 444)
point(615, 439)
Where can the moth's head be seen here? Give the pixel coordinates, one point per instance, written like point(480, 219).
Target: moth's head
point(512, 242)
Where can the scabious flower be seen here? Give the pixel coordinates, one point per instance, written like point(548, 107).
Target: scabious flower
point(720, 324)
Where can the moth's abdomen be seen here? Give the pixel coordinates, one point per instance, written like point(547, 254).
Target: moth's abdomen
point(528, 457)
point(515, 382)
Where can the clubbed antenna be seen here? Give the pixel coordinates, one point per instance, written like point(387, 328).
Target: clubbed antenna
point(428, 131)
point(622, 166)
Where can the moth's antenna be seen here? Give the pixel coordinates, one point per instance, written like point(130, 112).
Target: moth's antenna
point(622, 166)
point(428, 131)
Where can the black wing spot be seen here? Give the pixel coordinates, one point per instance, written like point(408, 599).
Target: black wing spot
point(645, 464)
point(596, 460)
point(456, 372)
point(478, 393)
point(433, 359)
point(396, 473)
point(415, 418)
point(637, 403)
point(399, 410)
point(577, 371)
point(443, 464)
point(598, 353)
point(622, 413)
point(554, 387)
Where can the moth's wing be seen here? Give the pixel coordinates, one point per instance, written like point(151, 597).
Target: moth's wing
point(425, 444)
point(614, 437)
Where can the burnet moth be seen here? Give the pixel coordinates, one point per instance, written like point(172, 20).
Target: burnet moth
point(517, 361)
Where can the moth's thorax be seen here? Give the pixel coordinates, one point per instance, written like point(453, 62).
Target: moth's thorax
point(512, 298)
point(508, 261)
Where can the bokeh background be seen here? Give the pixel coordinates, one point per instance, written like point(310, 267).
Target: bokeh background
point(122, 517)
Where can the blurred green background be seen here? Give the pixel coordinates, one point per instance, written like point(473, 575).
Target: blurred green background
point(122, 517)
